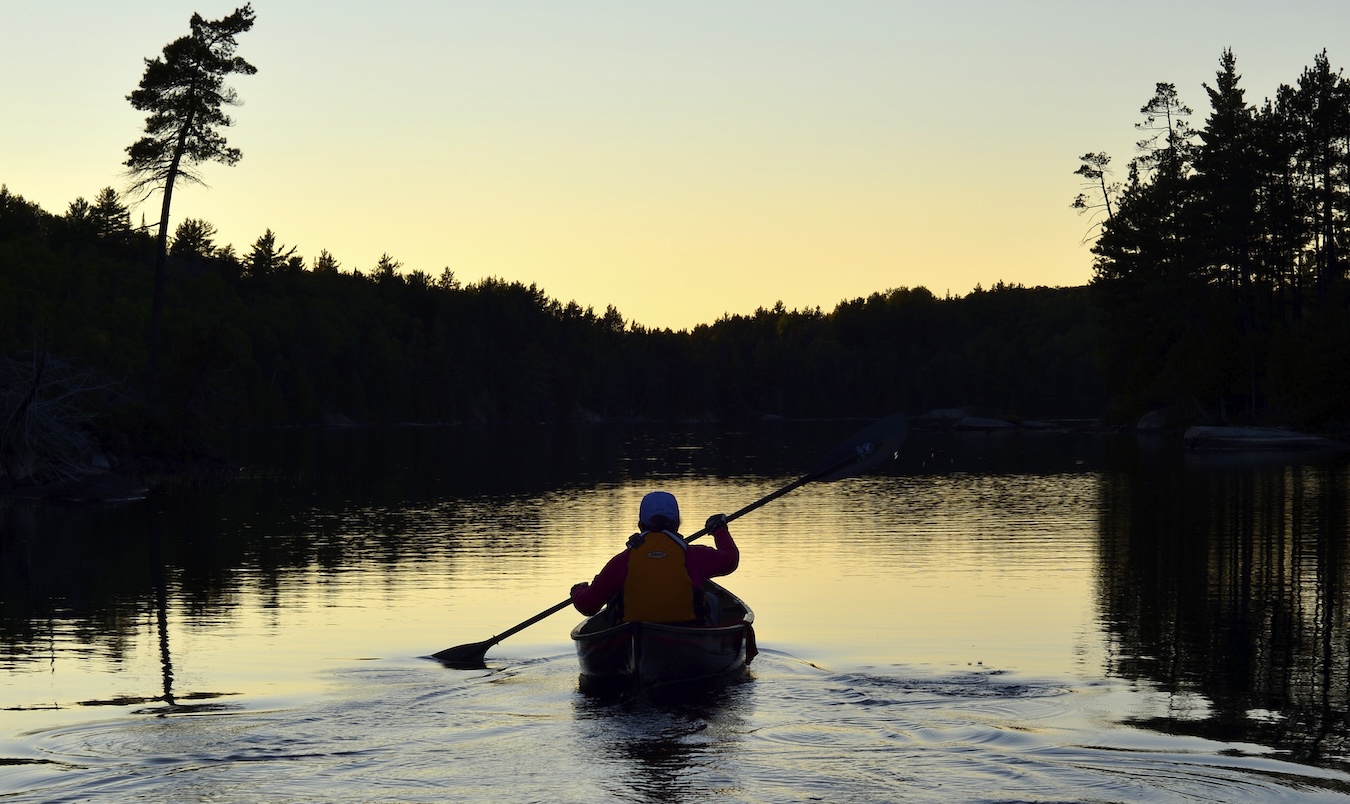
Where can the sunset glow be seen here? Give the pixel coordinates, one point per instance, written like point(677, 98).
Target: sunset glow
point(678, 162)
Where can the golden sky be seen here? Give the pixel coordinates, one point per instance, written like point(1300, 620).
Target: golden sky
point(676, 160)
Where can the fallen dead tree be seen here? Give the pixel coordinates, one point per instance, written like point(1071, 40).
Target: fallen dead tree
point(48, 407)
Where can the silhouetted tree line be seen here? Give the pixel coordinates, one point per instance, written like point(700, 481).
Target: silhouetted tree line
point(1221, 263)
point(267, 337)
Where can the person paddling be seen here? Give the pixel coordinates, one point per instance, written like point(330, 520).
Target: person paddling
point(659, 577)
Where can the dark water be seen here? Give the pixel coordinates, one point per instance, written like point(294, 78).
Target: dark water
point(1017, 617)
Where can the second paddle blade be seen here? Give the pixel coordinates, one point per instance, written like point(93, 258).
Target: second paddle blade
point(866, 450)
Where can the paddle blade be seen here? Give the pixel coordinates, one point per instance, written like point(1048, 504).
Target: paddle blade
point(466, 657)
point(865, 451)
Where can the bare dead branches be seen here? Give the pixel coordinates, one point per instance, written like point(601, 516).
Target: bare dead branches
point(47, 410)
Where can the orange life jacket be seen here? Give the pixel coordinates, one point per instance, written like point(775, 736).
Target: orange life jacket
point(658, 588)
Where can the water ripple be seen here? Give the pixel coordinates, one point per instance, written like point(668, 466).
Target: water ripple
point(414, 731)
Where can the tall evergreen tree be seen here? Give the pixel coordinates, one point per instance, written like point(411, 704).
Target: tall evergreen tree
point(1145, 271)
point(1227, 173)
point(270, 257)
point(386, 269)
point(325, 263)
point(1145, 237)
point(183, 91)
point(110, 216)
point(194, 238)
point(1285, 210)
point(1321, 106)
point(1166, 146)
point(1224, 213)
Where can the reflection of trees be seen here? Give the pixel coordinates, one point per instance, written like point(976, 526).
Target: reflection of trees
point(88, 580)
point(1228, 581)
point(55, 569)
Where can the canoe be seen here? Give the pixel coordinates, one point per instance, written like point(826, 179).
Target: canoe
point(643, 655)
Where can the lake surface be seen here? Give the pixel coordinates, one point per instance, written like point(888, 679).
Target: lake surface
point(1031, 617)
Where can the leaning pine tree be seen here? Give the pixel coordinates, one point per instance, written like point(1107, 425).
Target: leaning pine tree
point(184, 91)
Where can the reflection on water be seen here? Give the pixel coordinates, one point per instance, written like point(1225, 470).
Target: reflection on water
point(405, 731)
point(670, 748)
point(1224, 583)
point(1022, 616)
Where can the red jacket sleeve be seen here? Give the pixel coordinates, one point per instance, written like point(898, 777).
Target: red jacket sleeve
point(589, 599)
point(705, 562)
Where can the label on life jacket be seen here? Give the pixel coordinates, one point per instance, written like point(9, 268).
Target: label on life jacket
point(658, 588)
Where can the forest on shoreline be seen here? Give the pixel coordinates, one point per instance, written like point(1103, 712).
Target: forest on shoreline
point(1221, 262)
point(1220, 293)
point(267, 338)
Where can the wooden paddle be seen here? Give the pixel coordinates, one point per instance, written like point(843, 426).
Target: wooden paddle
point(863, 452)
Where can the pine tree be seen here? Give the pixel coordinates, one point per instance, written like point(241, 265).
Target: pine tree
point(1321, 108)
point(184, 91)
